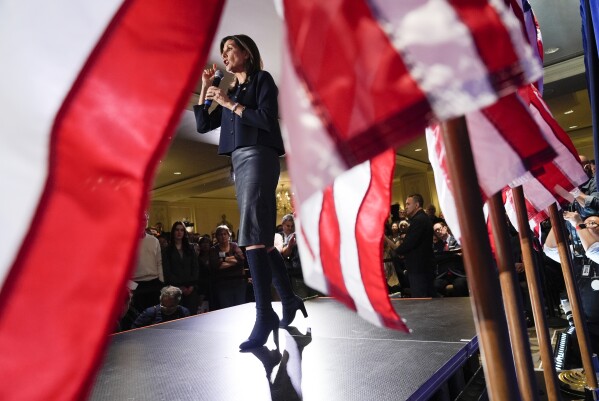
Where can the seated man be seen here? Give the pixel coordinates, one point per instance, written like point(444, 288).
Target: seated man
point(446, 241)
point(168, 309)
point(450, 267)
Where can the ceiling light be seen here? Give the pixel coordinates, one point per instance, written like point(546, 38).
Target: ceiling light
point(569, 112)
point(551, 50)
point(574, 126)
point(418, 150)
point(177, 173)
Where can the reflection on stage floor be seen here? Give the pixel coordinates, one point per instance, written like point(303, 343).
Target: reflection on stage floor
point(331, 355)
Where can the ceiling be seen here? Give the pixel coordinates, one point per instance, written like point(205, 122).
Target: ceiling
point(191, 169)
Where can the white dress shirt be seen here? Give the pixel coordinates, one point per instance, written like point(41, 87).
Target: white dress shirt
point(149, 260)
point(591, 253)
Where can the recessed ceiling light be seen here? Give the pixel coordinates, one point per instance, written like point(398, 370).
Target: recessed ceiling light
point(177, 173)
point(418, 150)
point(569, 112)
point(551, 50)
point(574, 126)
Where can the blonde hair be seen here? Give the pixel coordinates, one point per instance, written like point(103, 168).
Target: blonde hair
point(221, 228)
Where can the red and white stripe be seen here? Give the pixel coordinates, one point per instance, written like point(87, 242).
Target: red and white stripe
point(498, 163)
point(34, 88)
point(438, 159)
point(531, 31)
point(542, 186)
point(507, 142)
point(377, 71)
point(535, 216)
point(340, 230)
point(429, 34)
point(84, 133)
point(340, 240)
point(361, 77)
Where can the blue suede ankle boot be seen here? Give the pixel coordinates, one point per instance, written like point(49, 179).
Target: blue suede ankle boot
point(266, 318)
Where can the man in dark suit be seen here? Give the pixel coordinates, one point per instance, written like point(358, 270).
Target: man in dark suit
point(417, 248)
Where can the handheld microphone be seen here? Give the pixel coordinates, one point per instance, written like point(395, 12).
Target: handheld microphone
point(218, 76)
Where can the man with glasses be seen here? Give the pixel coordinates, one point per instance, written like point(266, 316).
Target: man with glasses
point(450, 275)
point(168, 309)
point(445, 241)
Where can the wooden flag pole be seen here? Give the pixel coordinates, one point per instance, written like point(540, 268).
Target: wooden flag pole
point(512, 301)
point(485, 295)
point(582, 333)
point(536, 299)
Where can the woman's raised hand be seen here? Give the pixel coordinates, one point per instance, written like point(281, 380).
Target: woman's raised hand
point(208, 75)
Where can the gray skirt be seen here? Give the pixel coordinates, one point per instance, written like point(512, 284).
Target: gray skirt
point(257, 172)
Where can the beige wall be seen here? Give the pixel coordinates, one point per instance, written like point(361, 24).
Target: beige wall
point(422, 183)
point(583, 141)
point(204, 213)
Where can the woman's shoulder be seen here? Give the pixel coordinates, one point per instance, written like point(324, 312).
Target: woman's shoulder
point(264, 76)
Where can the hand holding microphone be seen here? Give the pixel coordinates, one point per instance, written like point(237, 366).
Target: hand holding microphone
point(218, 76)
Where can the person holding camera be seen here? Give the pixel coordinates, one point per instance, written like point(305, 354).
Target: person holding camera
point(586, 266)
point(227, 265)
point(286, 243)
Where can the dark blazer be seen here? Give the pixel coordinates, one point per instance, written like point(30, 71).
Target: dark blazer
point(180, 270)
point(417, 246)
point(259, 124)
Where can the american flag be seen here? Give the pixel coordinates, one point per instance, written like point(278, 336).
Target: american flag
point(531, 29)
point(363, 77)
point(372, 75)
point(543, 185)
point(368, 76)
point(82, 153)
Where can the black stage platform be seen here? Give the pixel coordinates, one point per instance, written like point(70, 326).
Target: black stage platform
point(344, 358)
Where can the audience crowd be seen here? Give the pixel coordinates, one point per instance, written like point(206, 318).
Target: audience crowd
point(179, 273)
point(422, 258)
point(188, 273)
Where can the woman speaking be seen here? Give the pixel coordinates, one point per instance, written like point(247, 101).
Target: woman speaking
point(248, 116)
